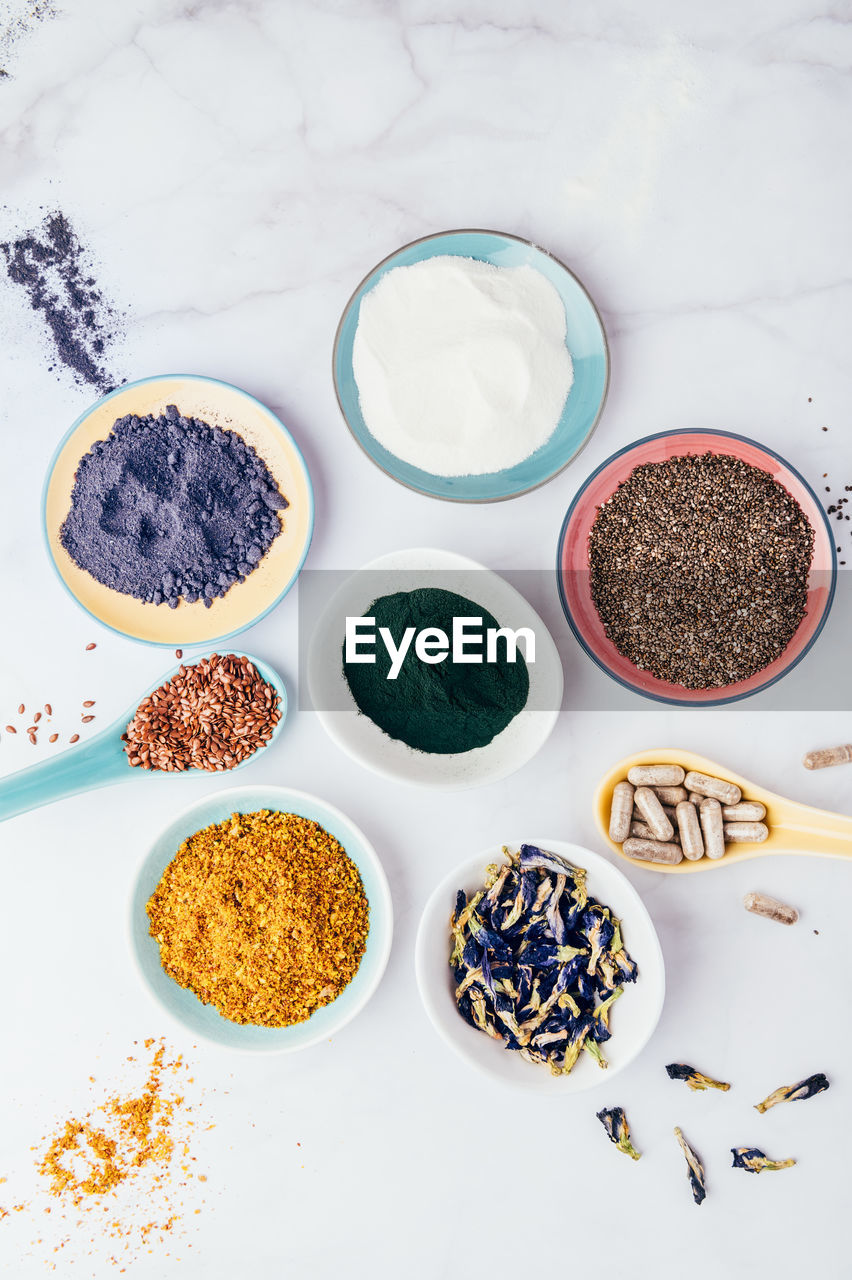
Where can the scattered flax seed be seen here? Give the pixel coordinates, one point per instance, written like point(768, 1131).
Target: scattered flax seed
point(33, 739)
point(178, 654)
point(91, 646)
point(10, 728)
point(89, 703)
point(48, 709)
point(53, 737)
point(699, 569)
point(212, 715)
point(21, 709)
point(37, 717)
point(75, 737)
point(87, 719)
point(263, 916)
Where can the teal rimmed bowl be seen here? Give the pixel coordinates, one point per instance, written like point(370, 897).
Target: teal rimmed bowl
point(585, 339)
point(204, 1020)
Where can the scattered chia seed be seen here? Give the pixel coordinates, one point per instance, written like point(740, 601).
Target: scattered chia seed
point(170, 507)
point(51, 265)
point(699, 569)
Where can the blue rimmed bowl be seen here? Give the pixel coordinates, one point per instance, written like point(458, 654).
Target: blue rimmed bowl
point(203, 1019)
point(585, 339)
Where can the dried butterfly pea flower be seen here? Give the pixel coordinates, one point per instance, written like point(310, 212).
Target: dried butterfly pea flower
point(695, 1169)
point(537, 963)
point(692, 1078)
point(615, 1122)
point(754, 1161)
point(795, 1092)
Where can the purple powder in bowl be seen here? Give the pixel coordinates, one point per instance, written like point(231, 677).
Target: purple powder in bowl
point(169, 507)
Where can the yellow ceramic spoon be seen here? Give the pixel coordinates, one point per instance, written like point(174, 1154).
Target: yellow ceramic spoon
point(793, 827)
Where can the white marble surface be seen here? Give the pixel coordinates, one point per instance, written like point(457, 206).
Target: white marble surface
point(236, 168)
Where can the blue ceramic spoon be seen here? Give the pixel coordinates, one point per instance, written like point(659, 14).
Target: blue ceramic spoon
point(102, 760)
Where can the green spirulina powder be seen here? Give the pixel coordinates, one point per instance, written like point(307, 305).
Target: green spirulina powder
point(445, 707)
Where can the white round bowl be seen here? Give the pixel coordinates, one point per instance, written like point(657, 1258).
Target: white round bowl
point(364, 741)
point(204, 1019)
point(634, 1017)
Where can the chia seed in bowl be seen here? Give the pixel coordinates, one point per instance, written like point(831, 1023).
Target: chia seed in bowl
point(699, 569)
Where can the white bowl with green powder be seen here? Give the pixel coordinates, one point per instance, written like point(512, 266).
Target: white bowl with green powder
point(454, 705)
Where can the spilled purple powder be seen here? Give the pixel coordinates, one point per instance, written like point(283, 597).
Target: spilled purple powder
point(169, 507)
point(17, 21)
point(50, 265)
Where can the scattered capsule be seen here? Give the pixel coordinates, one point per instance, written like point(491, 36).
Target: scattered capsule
point(795, 1092)
point(830, 756)
point(621, 812)
point(717, 788)
point(762, 905)
point(656, 775)
point(670, 795)
point(653, 813)
point(615, 1122)
point(746, 832)
point(695, 1169)
point(745, 811)
point(712, 827)
point(694, 1079)
point(653, 851)
point(689, 827)
point(754, 1161)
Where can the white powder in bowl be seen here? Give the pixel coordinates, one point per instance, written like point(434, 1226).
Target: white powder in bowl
point(461, 366)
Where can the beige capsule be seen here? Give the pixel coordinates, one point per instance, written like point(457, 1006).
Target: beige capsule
point(653, 851)
point(746, 832)
point(694, 798)
point(716, 788)
point(621, 812)
point(829, 756)
point(655, 775)
point(712, 827)
point(641, 831)
point(670, 795)
point(762, 905)
point(668, 810)
point(653, 813)
point(689, 827)
point(745, 811)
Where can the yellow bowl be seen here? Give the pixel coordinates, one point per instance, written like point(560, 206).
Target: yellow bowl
point(793, 827)
point(220, 405)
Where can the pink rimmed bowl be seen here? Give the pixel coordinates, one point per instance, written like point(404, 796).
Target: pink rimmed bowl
point(573, 577)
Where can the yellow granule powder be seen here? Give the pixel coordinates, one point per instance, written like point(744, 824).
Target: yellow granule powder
point(263, 916)
point(84, 1160)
